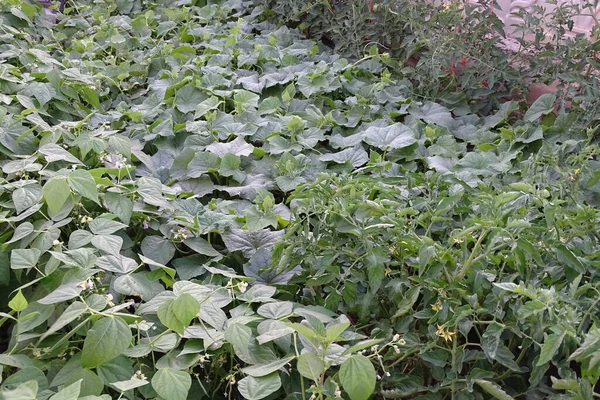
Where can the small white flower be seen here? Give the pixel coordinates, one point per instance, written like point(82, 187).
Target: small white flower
point(388, 374)
point(56, 243)
point(337, 393)
point(89, 284)
point(396, 337)
point(242, 286)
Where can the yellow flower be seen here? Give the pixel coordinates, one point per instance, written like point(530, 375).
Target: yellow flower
point(443, 333)
point(437, 306)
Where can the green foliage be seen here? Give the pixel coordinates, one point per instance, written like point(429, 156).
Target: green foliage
point(197, 205)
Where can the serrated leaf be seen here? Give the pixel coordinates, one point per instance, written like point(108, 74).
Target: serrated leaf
point(494, 390)
point(550, 347)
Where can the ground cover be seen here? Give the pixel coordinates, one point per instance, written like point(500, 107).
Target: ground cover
point(196, 203)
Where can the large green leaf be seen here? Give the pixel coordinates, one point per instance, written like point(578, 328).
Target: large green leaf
point(395, 136)
point(107, 339)
point(82, 182)
point(70, 392)
point(25, 391)
point(56, 192)
point(24, 258)
point(259, 370)
point(311, 366)
point(358, 376)
point(177, 314)
point(171, 384)
point(256, 388)
point(543, 105)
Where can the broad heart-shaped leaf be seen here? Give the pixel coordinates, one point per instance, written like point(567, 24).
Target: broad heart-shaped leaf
point(543, 105)
point(188, 98)
point(25, 391)
point(202, 163)
point(358, 376)
point(109, 243)
point(186, 308)
point(433, 113)
point(396, 136)
point(26, 197)
point(481, 163)
point(119, 205)
point(72, 312)
point(201, 246)
point(158, 249)
point(310, 366)
point(64, 292)
point(70, 392)
point(83, 183)
point(107, 339)
point(266, 369)
point(105, 226)
point(356, 156)
point(22, 230)
point(249, 242)
point(54, 152)
point(24, 258)
point(133, 383)
point(56, 192)
point(256, 388)
point(138, 284)
point(239, 336)
point(245, 100)
point(171, 384)
point(178, 313)
point(238, 147)
point(18, 303)
point(166, 315)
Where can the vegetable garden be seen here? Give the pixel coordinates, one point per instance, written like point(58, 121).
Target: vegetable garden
point(199, 202)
